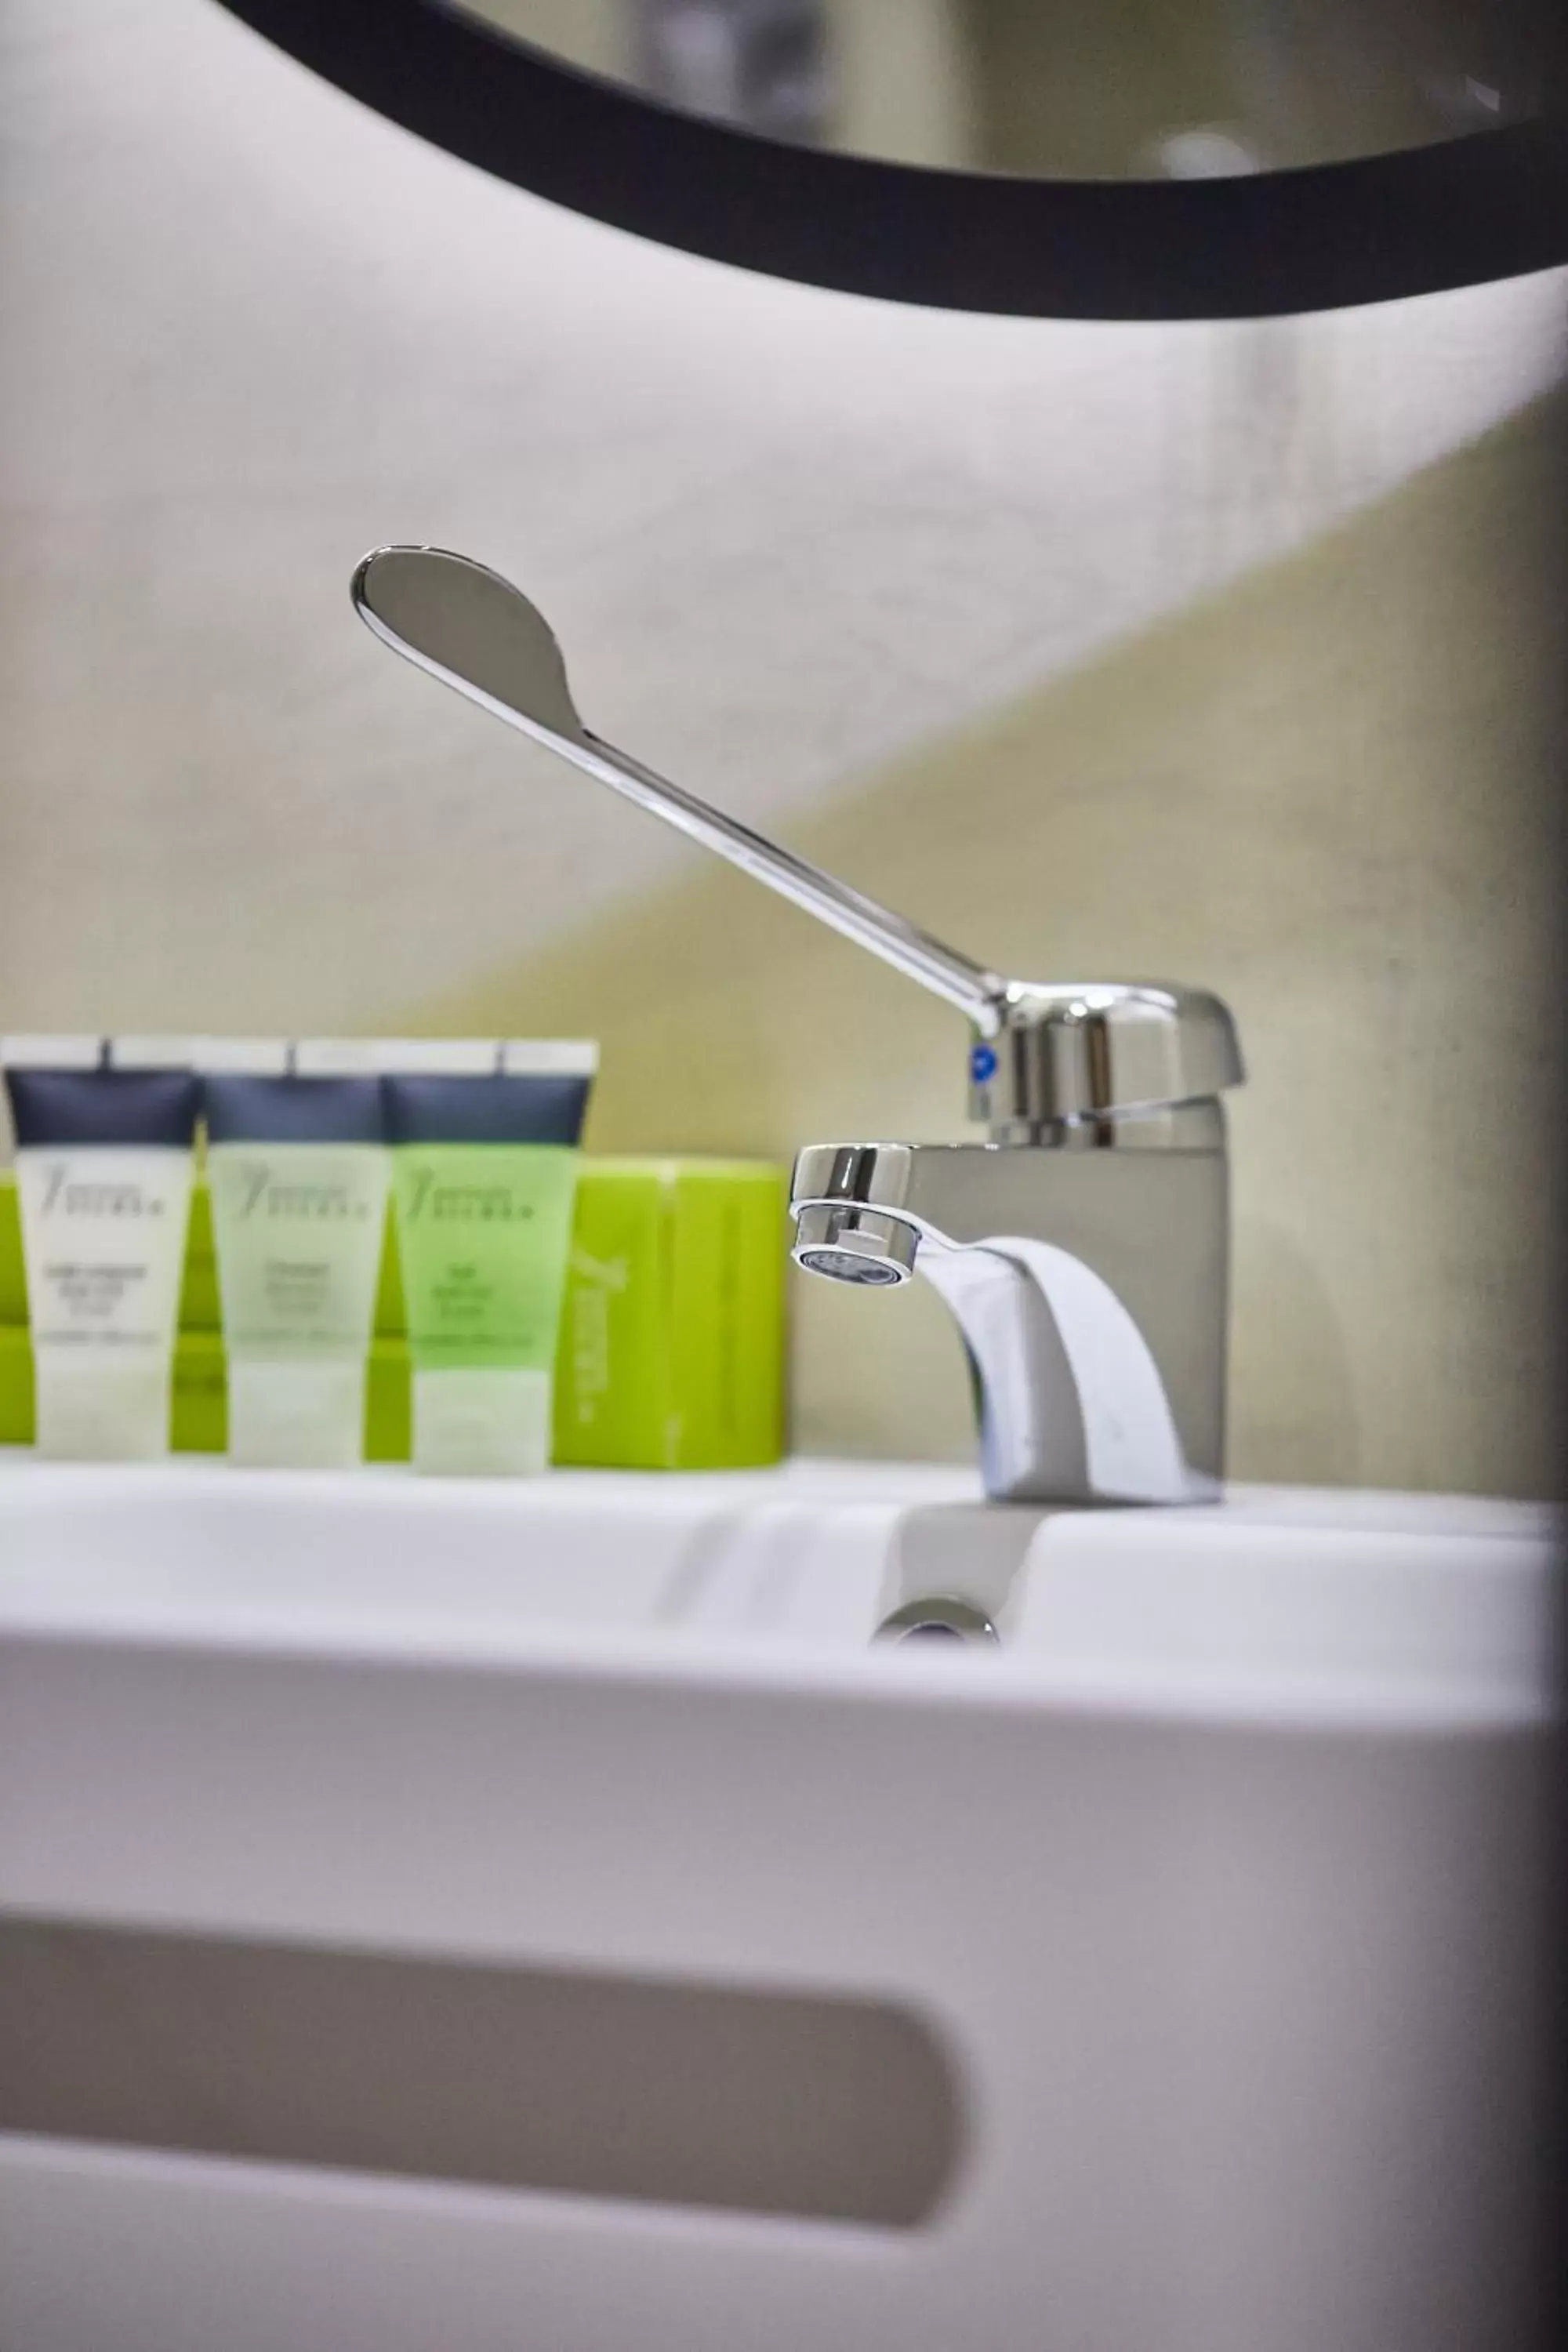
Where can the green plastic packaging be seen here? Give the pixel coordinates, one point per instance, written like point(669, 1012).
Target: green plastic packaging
point(671, 1349)
point(13, 1273)
point(482, 1233)
point(673, 1330)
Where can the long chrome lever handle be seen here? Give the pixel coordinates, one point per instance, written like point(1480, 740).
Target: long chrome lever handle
point(476, 631)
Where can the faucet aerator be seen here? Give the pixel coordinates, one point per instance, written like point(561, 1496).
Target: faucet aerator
point(850, 1244)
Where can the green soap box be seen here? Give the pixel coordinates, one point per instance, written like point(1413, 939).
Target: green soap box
point(672, 1338)
point(671, 1352)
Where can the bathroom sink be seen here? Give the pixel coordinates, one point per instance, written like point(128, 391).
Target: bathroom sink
point(1351, 1598)
point(1180, 1929)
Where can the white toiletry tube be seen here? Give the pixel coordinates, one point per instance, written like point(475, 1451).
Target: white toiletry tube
point(105, 1130)
point(298, 1171)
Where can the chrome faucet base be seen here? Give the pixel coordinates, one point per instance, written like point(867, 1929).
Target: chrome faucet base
point(1089, 1286)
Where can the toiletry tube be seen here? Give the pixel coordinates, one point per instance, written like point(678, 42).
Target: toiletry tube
point(298, 1172)
point(484, 1150)
point(105, 1132)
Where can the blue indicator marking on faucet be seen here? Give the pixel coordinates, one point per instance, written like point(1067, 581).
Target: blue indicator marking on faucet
point(982, 1064)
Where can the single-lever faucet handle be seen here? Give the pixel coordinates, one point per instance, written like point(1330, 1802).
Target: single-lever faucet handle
point(1045, 1057)
point(475, 631)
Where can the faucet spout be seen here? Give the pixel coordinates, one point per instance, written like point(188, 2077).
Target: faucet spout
point(1088, 1284)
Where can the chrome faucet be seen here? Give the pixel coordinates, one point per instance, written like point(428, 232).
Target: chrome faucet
point(1084, 1249)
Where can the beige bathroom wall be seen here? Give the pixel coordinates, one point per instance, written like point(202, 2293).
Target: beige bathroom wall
point(1217, 653)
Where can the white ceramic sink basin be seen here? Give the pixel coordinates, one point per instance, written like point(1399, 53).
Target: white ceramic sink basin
point(1347, 1599)
point(464, 1915)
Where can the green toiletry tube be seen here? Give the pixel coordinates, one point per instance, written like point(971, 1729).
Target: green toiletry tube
point(297, 1172)
point(485, 1155)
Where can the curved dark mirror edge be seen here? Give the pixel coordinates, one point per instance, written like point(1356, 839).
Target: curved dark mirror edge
point(1071, 89)
point(1491, 204)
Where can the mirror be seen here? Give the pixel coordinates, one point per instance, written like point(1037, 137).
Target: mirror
point(1073, 89)
point(1110, 159)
